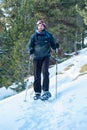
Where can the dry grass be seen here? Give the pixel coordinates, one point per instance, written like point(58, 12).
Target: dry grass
point(81, 74)
point(68, 67)
point(60, 72)
point(82, 71)
point(83, 68)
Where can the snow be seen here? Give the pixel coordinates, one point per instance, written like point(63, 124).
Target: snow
point(4, 93)
point(65, 111)
point(85, 41)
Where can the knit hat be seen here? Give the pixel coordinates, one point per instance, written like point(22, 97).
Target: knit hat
point(41, 22)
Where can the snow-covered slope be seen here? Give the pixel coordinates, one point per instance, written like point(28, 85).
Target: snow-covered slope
point(4, 93)
point(67, 111)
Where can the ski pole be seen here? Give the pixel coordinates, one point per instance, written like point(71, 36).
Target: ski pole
point(27, 80)
point(56, 71)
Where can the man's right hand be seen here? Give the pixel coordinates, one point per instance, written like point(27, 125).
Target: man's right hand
point(31, 51)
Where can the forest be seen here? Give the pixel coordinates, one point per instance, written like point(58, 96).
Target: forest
point(65, 19)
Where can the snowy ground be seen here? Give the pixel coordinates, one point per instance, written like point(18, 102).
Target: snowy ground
point(67, 111)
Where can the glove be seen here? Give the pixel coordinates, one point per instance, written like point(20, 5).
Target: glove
point(31, 51)
point(57, 45)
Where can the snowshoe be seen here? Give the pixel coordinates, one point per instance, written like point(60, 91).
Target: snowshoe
point(46, 96)
point(36, 97)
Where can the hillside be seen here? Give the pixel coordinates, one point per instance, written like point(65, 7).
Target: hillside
point(67, 111)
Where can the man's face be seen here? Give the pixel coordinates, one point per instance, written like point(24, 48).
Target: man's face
point(40, 27)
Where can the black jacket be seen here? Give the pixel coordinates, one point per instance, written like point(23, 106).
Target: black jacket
point(40, 44)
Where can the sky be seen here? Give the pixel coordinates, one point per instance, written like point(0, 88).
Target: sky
point(65, 110)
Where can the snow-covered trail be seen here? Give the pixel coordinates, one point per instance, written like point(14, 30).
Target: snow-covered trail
point(61, 113)
point(66, 112)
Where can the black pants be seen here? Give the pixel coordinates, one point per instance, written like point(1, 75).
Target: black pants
point(41, 65)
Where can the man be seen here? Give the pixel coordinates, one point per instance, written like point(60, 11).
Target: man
point(40, 45)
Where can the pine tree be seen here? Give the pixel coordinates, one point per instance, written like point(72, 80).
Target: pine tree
point(18, 17)
point(65, 19)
